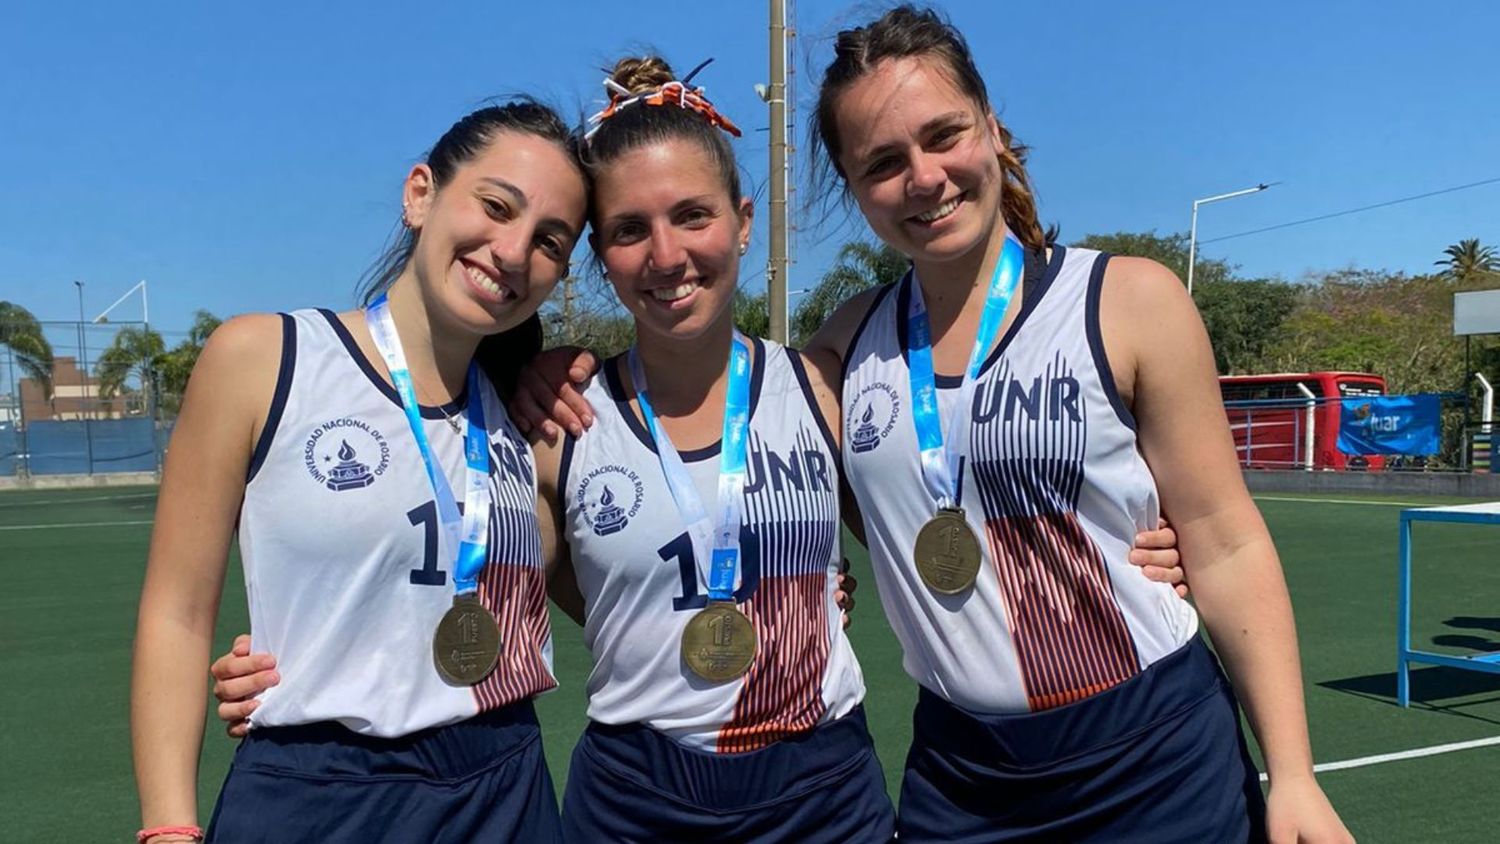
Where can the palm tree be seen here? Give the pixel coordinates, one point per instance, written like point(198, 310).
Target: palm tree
point(134, 351)
point(21, 332)
point(177, 364)
point(752, 313)
point(1468, 261)
point(860, 266)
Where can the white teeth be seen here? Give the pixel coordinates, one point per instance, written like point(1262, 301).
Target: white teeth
point(486, 283)
point(941, 211)
point(672, 294)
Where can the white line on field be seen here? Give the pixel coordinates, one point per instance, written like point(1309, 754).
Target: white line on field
point(47, 502)
point(1382, 758)
point(75, 525)
point(1343, 501)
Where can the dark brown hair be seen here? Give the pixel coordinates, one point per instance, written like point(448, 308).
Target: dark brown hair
point(638, 125)
point(910, 32)
point(500, 355)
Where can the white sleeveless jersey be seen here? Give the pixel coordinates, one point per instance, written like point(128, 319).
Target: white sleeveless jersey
point(640, 582)
point(1053, 486)
point(347, 568)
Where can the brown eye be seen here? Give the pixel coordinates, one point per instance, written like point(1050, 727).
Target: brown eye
point(626, 233)
point(496, 209)
point(881, 166)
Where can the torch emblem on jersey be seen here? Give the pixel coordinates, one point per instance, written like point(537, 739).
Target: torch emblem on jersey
point(872, 417)
point(603, 494)
point(344, 454)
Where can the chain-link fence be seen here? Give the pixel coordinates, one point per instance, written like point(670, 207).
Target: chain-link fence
point(105, 403)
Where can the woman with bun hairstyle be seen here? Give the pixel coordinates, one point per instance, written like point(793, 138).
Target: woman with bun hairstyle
point(700, 517)
point(1031, 407)
point(338, 448)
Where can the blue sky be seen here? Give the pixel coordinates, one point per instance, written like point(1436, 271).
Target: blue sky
point(248, 157)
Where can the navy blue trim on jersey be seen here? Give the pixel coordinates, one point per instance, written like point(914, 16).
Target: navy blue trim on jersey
point(482, 779)
point(799, 369)
point(1037, 279)
point(860, 329)
point(1096, 341)
point(564, 464)
point(1158, 758)
point(616, 386)
point(284, 374)
point(822, 786)
point(444, 411)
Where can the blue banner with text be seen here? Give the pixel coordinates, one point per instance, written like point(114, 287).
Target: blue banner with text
point(1390, 424)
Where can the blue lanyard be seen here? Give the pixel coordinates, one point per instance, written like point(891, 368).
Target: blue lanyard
point(940, 465)
point(725, 555)
point(473, 540)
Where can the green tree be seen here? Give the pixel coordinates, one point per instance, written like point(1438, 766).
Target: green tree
point(752, 313)
point(1470, 263)
point(177, 364)
point(1243, 316)
point(1171, 251)
point(860, 266)
point(138, 352)
point(22, 334)
point(1391, 324)
point(163, 373)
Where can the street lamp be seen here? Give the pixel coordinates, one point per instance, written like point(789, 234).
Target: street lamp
point(1193, 236)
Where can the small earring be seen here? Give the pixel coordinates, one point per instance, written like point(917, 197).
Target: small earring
point(744, 247)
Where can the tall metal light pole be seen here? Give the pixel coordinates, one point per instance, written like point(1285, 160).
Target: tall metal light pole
point(1193, 235)
point(83, 382)
point(776, 263)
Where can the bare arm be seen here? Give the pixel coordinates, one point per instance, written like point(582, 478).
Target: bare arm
point(562, 585)
point(1164, 366)
point(202, 486)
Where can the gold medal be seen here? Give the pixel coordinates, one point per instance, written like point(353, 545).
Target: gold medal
point(466, 645)
point(947, 553)
point(719, 642)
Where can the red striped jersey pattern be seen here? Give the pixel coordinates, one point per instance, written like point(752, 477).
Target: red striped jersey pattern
point(1070, 635)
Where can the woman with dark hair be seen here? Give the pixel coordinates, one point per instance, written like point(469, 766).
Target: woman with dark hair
point(1027, 408)
point(383, 503)
point(700, 518)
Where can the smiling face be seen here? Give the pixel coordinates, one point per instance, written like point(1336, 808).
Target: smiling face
point(495, 240)
point(670, 236)
point(922, 160)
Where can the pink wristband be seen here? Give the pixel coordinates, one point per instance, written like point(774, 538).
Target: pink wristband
point(196, 833)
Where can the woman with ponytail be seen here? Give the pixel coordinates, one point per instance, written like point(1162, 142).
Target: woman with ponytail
point(1028, 408)
point(410, 635)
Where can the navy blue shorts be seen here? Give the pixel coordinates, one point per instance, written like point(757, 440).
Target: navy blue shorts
point(634, 784)
point(483, 779)
point(1159, 758)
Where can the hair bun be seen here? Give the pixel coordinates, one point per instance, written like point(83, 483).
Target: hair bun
point(645, 73)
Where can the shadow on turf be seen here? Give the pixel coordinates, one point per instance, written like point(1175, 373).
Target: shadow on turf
point(1470, 622)
point(1436, 683)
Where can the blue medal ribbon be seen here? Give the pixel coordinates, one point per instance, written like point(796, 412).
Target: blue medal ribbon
point(471, 530)
point(939, 464)
point(725, 539)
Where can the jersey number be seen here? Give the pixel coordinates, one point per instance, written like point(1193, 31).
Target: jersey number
point(681, 549)
point(426, 517)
